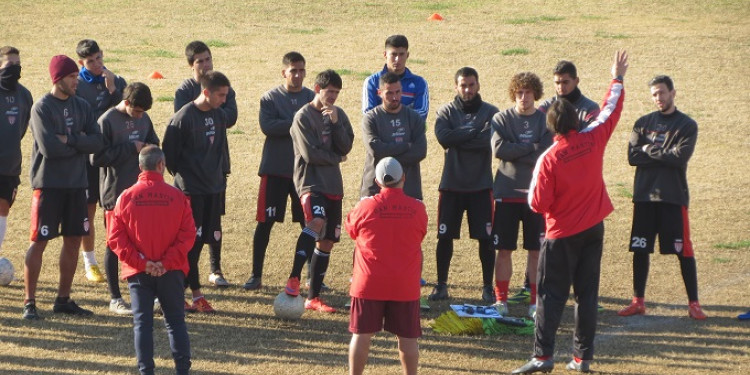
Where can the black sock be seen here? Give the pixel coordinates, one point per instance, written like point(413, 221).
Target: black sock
point(487, 257)
point(689, 276)
point(194, 255)
point(305, 247)
point(319, 265)
point(111, 266)
point(260, 244)
point(215, 256)
point(640, 273)
point(444, 254)
point(526, 284)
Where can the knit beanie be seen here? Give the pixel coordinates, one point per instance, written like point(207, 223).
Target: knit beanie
point(60, 66)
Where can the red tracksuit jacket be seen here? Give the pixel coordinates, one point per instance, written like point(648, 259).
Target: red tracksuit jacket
point(152, 221)
point(567, 186)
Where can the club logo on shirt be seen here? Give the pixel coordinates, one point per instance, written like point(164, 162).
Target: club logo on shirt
point(210, 129)
point(12, 114)
point(68, 121)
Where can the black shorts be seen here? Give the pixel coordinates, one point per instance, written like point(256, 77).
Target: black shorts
point(669, 221)
point(9, 188)
point(316, 205)
point(57, 212)
point(478, 206)
point(505, 229)
point(92, 192)
point(272, 197)
point(207, 215)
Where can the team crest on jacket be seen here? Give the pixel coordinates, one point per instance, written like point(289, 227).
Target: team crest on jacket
point(12, 113)
point(678, 246)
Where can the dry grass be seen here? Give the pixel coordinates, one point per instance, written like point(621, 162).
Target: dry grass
point(703, 45)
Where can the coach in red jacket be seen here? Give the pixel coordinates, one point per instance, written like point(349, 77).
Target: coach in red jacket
point(388, 229)
point(567, 187)
point(152, 232)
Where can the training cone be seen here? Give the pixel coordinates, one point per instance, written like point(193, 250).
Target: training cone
point(435, 17)
point(155, 75)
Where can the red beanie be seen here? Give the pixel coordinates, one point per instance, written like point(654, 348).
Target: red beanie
point(60, 66)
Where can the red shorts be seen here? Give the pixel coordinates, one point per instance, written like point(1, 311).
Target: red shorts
point(398, 317)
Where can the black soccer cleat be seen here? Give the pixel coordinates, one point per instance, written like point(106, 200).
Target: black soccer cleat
point(71, 308)
point(439, 293)
point(535, 365)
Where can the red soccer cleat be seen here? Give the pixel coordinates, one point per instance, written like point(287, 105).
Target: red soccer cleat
point(318, 305)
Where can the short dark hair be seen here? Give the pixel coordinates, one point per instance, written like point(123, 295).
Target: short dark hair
point(562, 117)
point(292, 57)
point(662, 79)
point(213, 80)
point(138, 95)
point(397, 41)
point(193, 48)
point(327, 78)
point(565, 67)
point(527, 80)
point(9, 50)
point(389, 77)
point(466, 72)
point(149, 157)
point(86, 48)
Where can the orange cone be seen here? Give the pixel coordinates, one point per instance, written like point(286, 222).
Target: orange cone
point(435, 17)
point(155, 75)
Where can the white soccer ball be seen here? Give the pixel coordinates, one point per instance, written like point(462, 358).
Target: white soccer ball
point(6, 271)
point(288, 307)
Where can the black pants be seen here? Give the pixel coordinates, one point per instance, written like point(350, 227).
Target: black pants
point(572, 260)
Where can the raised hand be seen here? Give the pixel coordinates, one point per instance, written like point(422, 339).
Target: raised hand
point(620, 65)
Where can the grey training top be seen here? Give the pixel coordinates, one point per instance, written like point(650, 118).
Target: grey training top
point(661, 169)
point(319, 147)
point(468, 152)
point(98, 96)
point(277, 109)
point(400, 135)
point(518, 141)
point(55, 164)
point(119, 157)
point(15, 111)
point(194, 148)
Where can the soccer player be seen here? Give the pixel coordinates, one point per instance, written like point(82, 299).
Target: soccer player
point(126, 129)
point(568, 188)
point(277, 109)
point(414, 88)
point(322, 136)
point(15, 103)
point(200, 60)
point(388, 229)
point(519, 136)
point(565, 77)
point(463, 129)
point(65, 132)
point(195, 149)
point(151, 231)
point(102, 89)
point(393, 129)
point(661, 145)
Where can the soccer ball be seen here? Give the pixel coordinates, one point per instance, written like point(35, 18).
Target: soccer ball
point(6, 271)
point(288, 307)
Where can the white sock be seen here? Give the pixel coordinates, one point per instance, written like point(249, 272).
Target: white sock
point(3, 228)
point(89, 259)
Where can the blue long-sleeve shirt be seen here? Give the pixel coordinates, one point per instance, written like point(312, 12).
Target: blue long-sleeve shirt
point(414, 92)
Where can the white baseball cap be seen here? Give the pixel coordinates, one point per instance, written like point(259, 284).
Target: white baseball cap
point(388, 172)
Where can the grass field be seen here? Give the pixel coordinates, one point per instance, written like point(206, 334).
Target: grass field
point(703, 45)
